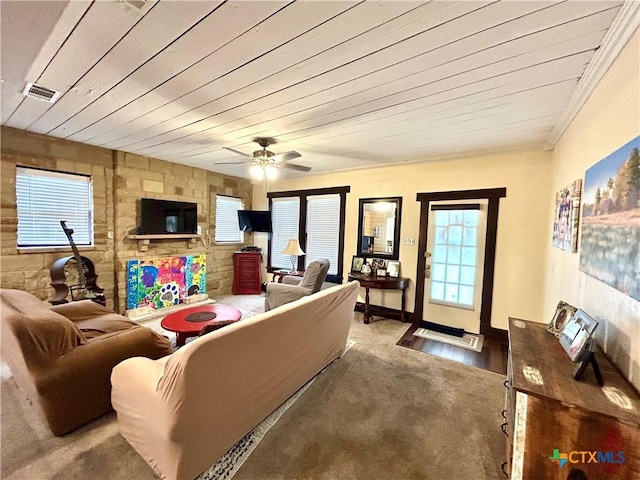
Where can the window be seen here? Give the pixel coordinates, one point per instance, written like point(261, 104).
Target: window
point(323, 229)
point(455, 257)
point(316, 219)
point(227, 226)
point(285, 218)
point(44, 198)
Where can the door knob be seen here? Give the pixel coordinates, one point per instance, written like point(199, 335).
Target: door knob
point(427, 267)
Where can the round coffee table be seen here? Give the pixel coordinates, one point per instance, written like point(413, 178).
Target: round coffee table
point(189, 322)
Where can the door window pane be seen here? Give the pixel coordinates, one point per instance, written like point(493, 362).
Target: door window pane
point(466, 295)
point(438, 272)
point(468, 256)
point(441, 236)
point(456, 217)
point(437, 291)
point(455, 235)
point(442, 218)
point(467, 275)
point(454, 256)
point(469, 236)
point(451, 292)
point(453, 273)
point(471, 218)
point(440, 254)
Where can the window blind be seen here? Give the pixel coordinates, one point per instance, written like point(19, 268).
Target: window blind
point(323, 229)
point(44, 198)
point(227, 226)
point(285, 216)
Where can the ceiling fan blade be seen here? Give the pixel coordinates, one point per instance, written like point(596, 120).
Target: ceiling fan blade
point(283, 157)
point(238, 152)
point(293, 166)
point(233, 163)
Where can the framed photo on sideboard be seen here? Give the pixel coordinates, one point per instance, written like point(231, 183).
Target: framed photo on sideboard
point(577, 333)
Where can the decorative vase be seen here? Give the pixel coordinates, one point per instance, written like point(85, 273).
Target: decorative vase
point(366, 269)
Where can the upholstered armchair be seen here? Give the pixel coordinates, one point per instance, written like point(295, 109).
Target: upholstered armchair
point(62, 356)
point(294, 288)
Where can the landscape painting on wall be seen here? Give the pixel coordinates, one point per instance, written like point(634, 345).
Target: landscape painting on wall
point(611, 220)
point(165, 281)
point(565, 219)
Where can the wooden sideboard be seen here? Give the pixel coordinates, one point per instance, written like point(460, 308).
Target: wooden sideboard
point(385, 283)
point(548, 411)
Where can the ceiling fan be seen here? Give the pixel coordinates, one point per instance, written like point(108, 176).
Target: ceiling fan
point(266, 160)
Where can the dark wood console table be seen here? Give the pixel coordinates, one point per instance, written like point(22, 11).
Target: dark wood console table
point(549, 414)
point(384, 283)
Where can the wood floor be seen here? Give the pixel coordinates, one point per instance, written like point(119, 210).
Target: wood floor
point(493, 356)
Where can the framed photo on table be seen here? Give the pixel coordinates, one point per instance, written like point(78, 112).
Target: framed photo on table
point(356, 263)
point(393, 268)
point(378, 263)
point(577, 333)
point(563, 315)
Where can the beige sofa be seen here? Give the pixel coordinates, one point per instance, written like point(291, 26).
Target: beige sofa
point(183, 412)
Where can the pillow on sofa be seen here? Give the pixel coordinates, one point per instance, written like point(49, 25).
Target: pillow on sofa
point(40, 331)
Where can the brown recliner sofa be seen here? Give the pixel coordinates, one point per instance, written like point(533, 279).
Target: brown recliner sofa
point(62, 356)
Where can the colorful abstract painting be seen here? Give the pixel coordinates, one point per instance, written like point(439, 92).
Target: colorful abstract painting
point(165, 281)
point(565, 219)
point(610, 240)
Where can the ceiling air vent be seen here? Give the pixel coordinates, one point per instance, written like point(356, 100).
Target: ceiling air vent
point(41, 93)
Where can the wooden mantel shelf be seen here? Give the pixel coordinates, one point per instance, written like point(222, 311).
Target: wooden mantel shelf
point(144, 240)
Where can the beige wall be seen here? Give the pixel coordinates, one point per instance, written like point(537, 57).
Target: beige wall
point(119, 181)
point(608, 120)
point(522, 229)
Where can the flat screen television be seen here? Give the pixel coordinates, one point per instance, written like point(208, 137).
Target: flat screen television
point(254, 220)
point(166, 216)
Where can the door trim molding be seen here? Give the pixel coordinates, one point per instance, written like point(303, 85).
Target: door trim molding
point(493, 195)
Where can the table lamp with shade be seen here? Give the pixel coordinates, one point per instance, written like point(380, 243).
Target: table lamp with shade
point(293, 249)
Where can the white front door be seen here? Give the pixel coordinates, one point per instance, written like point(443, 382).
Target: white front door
point(455, 263)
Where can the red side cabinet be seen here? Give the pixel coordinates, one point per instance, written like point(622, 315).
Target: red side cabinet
point(246, 273)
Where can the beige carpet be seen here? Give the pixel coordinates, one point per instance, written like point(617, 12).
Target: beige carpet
point(382, 411)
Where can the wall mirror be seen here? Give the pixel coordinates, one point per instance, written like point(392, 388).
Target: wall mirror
point(379, 227)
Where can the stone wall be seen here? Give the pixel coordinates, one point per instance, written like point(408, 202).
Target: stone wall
point(119, 181)
point(28, 269)
point(137, 177)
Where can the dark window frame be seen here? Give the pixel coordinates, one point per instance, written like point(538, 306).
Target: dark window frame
point(302, 224)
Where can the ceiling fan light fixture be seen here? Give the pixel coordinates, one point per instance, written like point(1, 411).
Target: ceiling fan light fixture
point(257, 172)
point(271, 171)
point(264, 171)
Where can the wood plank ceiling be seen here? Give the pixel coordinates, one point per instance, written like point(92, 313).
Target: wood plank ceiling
point(349, 84)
